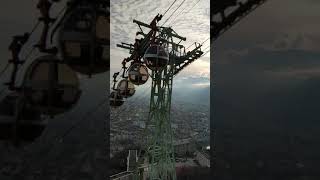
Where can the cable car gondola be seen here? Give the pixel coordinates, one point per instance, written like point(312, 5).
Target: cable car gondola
point(126, 88)
point(51, 86)
point(116, 99)
point(84, 39)
point(19, 121)
point(138, 74)
point(156, 57)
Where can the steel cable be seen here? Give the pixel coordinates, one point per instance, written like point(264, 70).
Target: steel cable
point(205, 40)
point(171, 24)
point(169, 7)
point(173, 12)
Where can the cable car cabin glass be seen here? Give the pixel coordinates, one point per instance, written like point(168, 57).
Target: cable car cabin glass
point(51, 86)
point(126, 88)
point(156, 57)
point(138, 74)
point(84, 40)
point(30, 124)
point(115, 99)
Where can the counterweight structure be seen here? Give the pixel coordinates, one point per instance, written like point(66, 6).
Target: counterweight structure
point(158, 154)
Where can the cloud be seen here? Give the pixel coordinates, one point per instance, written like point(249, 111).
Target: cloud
point(294, 41)
point(298, 73)
point(207, 84)
point(194, 25)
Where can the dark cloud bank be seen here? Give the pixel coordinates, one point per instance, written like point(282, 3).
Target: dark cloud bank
point(265, 98)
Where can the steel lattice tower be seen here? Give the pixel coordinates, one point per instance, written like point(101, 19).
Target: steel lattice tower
point(158, 159)
point(160, 150)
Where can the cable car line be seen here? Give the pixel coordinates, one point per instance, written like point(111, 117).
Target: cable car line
point(171, 24)
point(169, 7)
point(61, 11)
point(173, 12)
point(205, 53)
point(206, 48)
point(205, 41)
point(29, 54)
point(190, 46)
point(35, 27)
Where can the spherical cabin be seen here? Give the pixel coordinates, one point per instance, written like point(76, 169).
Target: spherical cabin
point(84, 40)
point(25, 126)
point(138, 74)
point(126, 88)
point(116, 99)
point(51, 86)
point(156, 57)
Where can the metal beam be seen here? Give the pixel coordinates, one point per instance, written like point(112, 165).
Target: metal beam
point(142, 24)
point(167, 29)
point(125, 47)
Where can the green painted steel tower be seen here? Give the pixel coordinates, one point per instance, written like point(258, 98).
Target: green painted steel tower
point(160, 150)
point(158, 160)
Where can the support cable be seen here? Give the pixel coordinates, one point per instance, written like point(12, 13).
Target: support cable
point(34, 28)
point(205, 40)
point(205, 53)
point(190, 46)
point(29, 54)
point(173, 12)
point(169, 7)
point(174, 19)
point(206, 48)
point(200, 44)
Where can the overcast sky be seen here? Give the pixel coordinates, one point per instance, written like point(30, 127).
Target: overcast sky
point(266, 71)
